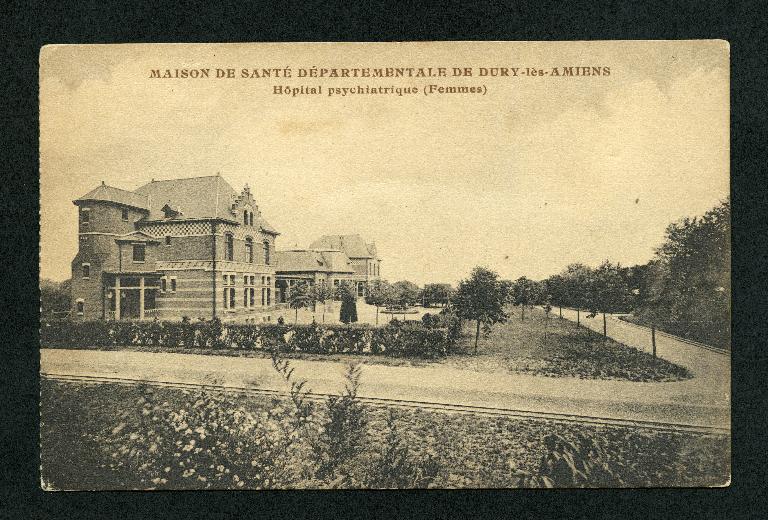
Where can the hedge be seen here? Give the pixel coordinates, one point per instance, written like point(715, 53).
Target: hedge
point(396, 339)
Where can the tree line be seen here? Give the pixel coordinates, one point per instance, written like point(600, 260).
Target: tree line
point(684, 290)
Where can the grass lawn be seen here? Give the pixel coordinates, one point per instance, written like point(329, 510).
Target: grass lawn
point(565, 350)
point(109, 436)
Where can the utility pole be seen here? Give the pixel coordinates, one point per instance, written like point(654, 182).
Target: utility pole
point(653, 339)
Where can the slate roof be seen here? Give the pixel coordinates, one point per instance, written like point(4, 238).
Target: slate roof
point(194, 197)
point(307, 260)
point(353, 245)
point(111, 194)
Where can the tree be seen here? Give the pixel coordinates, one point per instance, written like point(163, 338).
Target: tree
point(405, 293)
point(481, 298)
point(688, 284)
point(300, 296)
point(380, 293)
point(555, 290)
point(524, 293)
point(54, 297)
point(322, 293)
point(607, 292)
point(348, 295)
point(575, 278)
point(436, 293)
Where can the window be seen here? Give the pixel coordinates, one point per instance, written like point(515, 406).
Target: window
point(125, 214)
point(85, 216)
point(229, 254)
point(249, 293)
point(229, 291)
point(86, 270)
point(263, 280)
point(173, 284)
point(167, 240)
point(266, 252)
point(249, 250)
point(250, 218)
point(80, 307)
point(163, 284)
point(245, 218)
point(139, 252)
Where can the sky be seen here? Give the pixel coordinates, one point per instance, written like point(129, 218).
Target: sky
point(537, 173)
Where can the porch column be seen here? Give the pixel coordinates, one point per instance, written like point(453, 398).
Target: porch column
point(141, 298)
point(117, 297)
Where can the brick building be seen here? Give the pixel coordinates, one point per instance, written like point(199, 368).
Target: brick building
point(183, 247)
point(363, 257)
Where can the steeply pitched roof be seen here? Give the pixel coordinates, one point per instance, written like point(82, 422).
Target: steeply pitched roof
point(106, 193)
point(353, 245)
point(194, 197)
point(305, 260)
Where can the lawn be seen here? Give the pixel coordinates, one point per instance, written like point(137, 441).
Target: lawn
point(110, 436)
point(557, 347)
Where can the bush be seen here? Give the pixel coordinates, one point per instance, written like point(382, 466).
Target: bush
point(396, 339)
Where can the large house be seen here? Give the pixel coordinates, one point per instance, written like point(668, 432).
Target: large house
point(190, 247)
point(364, 259)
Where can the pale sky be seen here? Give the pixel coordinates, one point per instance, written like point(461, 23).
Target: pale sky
point(538, 173)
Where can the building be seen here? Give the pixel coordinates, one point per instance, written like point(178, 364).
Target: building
point(313, 267)
point(184, 247)
point(364, 259)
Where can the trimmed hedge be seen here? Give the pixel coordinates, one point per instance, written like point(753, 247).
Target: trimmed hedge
point(396, 339)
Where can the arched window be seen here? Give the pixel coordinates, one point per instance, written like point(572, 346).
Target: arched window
point(229, 254)
point(245, 217)
point(250, 218)
point(266, 252)
point(249, 250)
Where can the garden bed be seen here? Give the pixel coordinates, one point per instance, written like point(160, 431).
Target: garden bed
point(110, 436)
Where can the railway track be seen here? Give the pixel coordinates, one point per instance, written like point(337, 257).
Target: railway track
point(407, 404)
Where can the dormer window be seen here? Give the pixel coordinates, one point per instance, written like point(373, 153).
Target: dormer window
point(125, 214)
point(170, 211)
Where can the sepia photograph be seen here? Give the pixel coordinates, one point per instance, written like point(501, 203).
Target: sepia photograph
point(385, 265)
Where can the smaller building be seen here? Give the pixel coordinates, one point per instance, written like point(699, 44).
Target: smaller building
point(363, 257)
point(312, 266)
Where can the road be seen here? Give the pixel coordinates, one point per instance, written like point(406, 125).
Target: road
point(701, 401)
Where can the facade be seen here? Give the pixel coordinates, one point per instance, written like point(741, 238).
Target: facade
point(184, 247)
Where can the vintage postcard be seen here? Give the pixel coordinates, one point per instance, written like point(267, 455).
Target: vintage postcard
point(385, 265)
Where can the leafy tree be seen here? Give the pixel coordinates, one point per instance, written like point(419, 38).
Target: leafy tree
point(436, 293)
point(687, 287)
point(322, 293)
point(348, 295)
point(405, 293)
point(607, 292)
point(300, 296)
point(555, 290)
point(524, 294)
point(481, 298)
point(380, 293)
point(575, 280)
point(54, 297)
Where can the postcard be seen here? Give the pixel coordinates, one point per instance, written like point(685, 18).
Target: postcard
point(385, 265)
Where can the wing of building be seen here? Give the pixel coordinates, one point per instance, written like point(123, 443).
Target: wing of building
point(183, 247)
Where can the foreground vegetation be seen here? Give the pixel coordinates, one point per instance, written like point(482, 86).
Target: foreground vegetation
point(109, 436)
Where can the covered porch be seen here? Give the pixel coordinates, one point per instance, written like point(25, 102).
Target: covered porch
point(131, 296)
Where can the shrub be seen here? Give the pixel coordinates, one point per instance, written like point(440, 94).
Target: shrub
point(396, 339)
